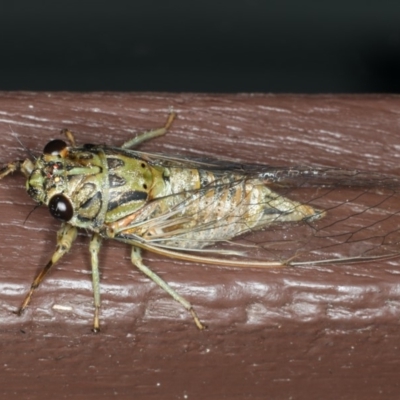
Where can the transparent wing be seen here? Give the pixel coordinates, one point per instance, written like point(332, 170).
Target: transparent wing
point(361, 222)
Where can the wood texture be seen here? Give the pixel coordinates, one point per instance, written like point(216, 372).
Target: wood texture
point(304, 333)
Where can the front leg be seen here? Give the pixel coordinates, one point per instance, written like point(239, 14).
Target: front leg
point(10, 168)
point(65, 237)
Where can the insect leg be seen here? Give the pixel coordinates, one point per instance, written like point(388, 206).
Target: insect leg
point(65, 237)
point(145, 136)
point(25, 167)
point(136, 259)
point(70, 136)
point(10, 168)
point(94, 248)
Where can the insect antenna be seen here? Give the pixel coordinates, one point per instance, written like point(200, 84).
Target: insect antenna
point(22, 145)
point(30, 212)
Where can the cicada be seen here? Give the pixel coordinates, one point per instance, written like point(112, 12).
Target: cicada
point(208, 211)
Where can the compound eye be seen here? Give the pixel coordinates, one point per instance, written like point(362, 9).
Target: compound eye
point(55, 147)
point(61, 208)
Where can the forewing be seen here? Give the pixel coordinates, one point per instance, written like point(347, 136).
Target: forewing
point(361, 222)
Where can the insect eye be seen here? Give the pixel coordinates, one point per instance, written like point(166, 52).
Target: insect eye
point(55, 147)
point(61, 208)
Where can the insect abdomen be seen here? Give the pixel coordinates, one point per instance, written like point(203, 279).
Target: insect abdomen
point(199, 208)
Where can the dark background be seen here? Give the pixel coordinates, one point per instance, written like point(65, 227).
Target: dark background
point(201, 46)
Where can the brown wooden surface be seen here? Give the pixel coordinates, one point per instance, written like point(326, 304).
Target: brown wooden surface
point(304, 333)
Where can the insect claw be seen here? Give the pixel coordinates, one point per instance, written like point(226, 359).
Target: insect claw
point(96, 323)
point(172, 115)
point(69, 135)
point(197, 321)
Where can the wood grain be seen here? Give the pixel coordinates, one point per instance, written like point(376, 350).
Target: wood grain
point(293, 333)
